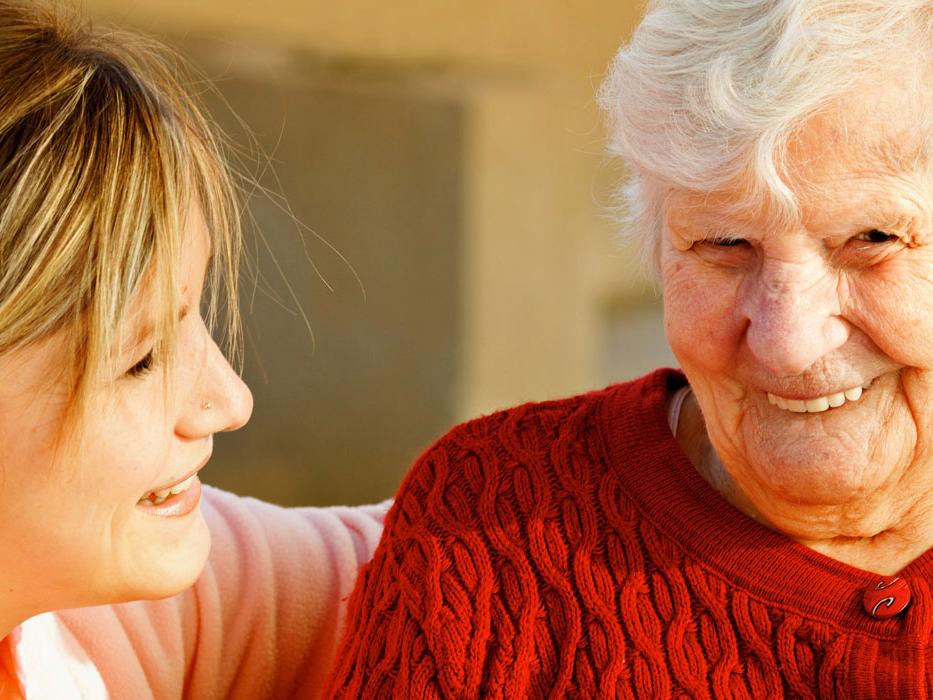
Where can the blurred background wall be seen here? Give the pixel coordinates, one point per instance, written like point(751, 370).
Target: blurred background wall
point(436, 240)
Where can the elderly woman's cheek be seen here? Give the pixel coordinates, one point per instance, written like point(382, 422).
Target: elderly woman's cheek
point(894, 307)
point(699, 316)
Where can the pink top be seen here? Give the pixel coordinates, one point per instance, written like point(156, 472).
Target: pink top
point(262, 621)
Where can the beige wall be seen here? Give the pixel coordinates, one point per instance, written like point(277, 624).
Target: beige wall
point(539, 247)
point(550, 35)
point(540, 269)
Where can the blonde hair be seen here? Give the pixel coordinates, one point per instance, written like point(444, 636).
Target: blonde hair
point(102, 154)
point(709, 93)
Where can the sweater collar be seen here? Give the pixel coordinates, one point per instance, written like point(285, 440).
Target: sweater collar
point(773, 568)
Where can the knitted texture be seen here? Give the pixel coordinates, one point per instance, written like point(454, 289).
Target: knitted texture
point(568, 549)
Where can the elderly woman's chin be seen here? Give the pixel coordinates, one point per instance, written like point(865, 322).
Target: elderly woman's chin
point(844, 454)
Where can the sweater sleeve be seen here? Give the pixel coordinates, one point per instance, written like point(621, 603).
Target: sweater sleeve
point(419, 619)
point(263, 619)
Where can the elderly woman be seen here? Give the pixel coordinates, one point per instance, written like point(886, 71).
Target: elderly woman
point(117, 214)
point(760, 524)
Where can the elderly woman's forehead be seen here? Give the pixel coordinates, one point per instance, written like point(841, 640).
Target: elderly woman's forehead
point(855, 143)
point(884, 130)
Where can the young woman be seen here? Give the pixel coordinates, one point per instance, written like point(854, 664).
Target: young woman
point(118, 223)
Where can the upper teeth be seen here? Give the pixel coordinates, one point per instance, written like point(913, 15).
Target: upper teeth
point(156, 497)
point(820, 404)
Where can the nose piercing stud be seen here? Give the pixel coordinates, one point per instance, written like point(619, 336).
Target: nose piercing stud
point(206, 405)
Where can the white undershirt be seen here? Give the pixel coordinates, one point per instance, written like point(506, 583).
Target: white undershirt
point(712, 468)
point(673, 408)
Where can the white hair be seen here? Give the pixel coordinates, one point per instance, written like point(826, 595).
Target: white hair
point(709, 91)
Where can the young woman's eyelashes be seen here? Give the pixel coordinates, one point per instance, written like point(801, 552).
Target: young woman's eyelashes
point(143, 367)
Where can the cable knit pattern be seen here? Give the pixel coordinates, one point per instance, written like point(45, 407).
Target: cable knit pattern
point(568, 549)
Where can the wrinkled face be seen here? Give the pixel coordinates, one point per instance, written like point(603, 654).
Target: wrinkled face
point(810, 345)
point(75, 534)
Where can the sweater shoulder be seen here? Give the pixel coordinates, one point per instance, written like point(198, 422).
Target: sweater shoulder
point(514, 457)
point(541, 418)
point(479, 549)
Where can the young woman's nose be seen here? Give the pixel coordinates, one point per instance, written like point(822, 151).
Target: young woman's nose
point(793, 315)
point(219, 401)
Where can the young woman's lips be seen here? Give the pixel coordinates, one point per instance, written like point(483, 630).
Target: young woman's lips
point(175, 499)
point(177, 504)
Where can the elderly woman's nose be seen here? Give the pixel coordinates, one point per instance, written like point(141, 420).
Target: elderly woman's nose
point(793, 318)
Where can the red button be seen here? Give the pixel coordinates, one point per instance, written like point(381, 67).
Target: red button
point(887, 598)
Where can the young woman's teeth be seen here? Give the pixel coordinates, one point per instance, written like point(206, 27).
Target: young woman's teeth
point(818, 405)
point(154, 498)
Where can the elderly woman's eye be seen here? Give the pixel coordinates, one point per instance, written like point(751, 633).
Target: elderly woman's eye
point(876, 236)
point(725, 242)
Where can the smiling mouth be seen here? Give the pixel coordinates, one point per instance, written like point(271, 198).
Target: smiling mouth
point(819, 404)
point(157, 497)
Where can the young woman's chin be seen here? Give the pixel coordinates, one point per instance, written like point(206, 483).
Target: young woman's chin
point(170, 559)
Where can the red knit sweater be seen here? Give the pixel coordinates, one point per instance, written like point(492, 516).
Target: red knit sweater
point(569, 549)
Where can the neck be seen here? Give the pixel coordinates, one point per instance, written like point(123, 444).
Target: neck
point(13, 611)
point(885, 551)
